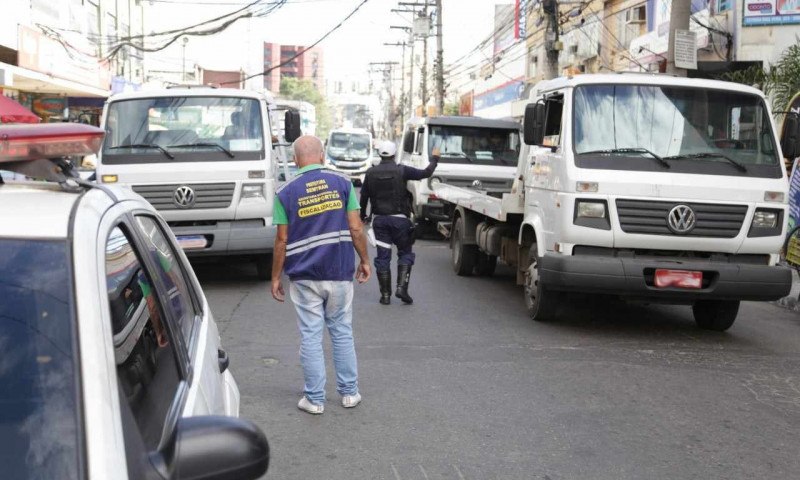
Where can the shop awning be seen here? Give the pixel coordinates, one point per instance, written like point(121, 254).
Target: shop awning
point(13, 112)
point(26, 80)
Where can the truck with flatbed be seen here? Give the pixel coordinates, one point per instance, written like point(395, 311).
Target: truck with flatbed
point(649, 187)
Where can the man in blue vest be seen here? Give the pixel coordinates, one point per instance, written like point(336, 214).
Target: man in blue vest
point(319, 225)
point(384, 189)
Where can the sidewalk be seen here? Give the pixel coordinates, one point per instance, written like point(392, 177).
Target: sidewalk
point(791, 302)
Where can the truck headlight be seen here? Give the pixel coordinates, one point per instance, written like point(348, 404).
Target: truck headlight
point(592, 214)
point(587, 209)
point(252, 191)
point(767, 222)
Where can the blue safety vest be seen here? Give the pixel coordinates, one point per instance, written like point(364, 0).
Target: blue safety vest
point(319, 246)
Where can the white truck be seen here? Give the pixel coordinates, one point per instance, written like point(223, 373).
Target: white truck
point(648, 187)
point(350, 151)
point(475, 152)
point(203, 157)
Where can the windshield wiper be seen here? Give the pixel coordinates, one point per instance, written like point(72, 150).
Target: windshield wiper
point(146, 145)
point(733, 162)
point(455, 154)
point(206, 144)
point(630, 150)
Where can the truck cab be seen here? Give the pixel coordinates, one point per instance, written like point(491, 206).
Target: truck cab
point(477, 153)
point(350, 151)
point(203, 157)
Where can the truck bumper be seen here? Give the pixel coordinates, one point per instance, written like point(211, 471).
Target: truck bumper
point(236, 237)
point(633, 277)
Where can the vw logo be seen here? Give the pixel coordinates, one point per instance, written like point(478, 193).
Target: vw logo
point(681, 219)
point(183, 197)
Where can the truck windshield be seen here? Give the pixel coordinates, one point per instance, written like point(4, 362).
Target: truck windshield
point(479, 146)
point(694, 130)
point(39, 370)
point(349, 146)
point(176, 129)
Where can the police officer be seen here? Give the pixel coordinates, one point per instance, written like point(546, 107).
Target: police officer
point(384, 188)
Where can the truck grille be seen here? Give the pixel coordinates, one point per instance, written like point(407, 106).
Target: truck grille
point(488, 185)
point(650, 218)
point(206, 195)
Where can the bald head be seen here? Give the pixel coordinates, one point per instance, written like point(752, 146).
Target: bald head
point(308, 151)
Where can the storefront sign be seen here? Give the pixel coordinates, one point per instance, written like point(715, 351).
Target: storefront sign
point(42, 54)
point(521, 19)
point(770, 12)
point(465, 104)
point(505, 93)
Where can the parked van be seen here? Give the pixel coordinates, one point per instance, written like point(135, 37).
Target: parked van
point(477, 153)
point(350, 151)
point(203, 157)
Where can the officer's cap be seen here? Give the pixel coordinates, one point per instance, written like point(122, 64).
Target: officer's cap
point(387, 149)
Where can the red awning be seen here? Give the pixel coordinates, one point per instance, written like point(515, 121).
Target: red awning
point(13, 112)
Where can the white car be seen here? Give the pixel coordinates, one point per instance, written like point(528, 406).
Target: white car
point(112, 366)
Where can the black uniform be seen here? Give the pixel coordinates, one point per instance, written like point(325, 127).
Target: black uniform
point(384, 189)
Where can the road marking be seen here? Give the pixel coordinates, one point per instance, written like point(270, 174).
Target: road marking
point(394, 470)
point(424, 474)
point(460, 475)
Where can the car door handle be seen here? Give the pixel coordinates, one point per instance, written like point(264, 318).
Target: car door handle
point(223, 359)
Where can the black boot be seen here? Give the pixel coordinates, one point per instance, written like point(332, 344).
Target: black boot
point(403, 277)
point(385, 283)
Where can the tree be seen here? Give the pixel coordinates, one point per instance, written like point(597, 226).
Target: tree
point(305, 90)
point(780, 83)
point(451, 109)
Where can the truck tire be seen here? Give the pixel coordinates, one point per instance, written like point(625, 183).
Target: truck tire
point(540, 302)
point(486, 264)
point(717, 315)
point(464, 256)
point(264, 267)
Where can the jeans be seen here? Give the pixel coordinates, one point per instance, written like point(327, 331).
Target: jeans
point(393, 230)
point(318, 304)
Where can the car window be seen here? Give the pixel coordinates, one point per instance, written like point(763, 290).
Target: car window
point(172, 274)
point(39, 424)
point(147, 365)
point(420, 138)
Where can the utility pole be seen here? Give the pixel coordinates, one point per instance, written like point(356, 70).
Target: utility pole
point(420, 10)
point(424, 66)
point(185, 40)
point(552, 45)
point(402, 81)
point(678, 20)
point(439, 61)
point(388, 77)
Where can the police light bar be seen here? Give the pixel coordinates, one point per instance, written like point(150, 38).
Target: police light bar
point(50, 140)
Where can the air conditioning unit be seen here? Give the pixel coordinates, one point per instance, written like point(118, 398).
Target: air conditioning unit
point(636, 15)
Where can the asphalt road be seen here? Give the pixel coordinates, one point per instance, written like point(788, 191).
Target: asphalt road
point(461, 385)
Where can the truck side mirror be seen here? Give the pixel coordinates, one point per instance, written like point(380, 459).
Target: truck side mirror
point(790, 137)
point(292, 126)
point(533, 124)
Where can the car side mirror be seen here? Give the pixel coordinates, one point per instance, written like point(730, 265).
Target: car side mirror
point(533, 124)
point(790, 137)
point(408, 143)
point(292, 126)
point(213, 447)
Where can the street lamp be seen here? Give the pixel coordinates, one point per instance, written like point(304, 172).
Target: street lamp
point(185, 41)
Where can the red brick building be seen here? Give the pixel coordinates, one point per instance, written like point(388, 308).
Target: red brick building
point(309, 65)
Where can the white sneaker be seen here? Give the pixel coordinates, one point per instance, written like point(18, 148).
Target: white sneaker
point(305, 405)
point(350, 401)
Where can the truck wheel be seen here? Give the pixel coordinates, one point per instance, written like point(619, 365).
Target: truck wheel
point(486, 264)
point(464, 256)
point(717, 315)
point(264, 267)
point(540, 302)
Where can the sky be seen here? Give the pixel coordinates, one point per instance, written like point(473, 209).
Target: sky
point(347, 52)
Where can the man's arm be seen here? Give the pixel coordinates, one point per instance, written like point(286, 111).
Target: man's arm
point(411, 173)
point(360, 244)
point(364, 198)
point(278, 260)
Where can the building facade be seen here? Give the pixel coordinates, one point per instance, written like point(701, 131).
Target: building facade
point(62, 58)
point(308, 65)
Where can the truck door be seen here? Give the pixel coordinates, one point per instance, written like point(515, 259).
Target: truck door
point(544, 163)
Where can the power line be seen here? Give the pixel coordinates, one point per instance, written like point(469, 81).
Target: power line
point(305, 49)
